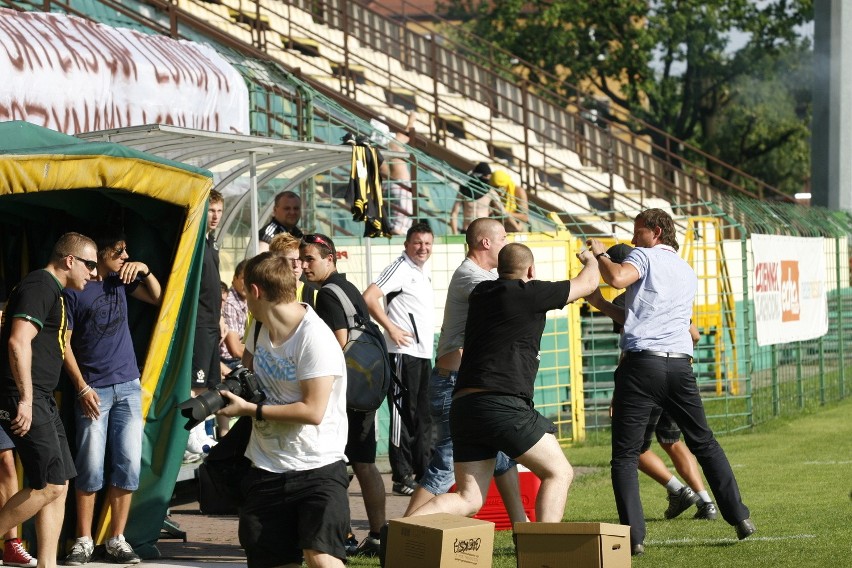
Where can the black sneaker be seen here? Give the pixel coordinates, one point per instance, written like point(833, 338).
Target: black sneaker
point(681, 501)
point(119, 551)
point(81, 553)
point(706, 511)
point(369, 547)
point(405, 487)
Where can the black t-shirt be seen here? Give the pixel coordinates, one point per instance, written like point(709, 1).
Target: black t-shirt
point(329, 308)
point(210, 291)
point(38, 299)
point(502, 338)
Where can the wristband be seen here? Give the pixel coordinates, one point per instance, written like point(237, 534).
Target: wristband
point(143, 275)
point(84, 392)
point(258, 414)
point(600, 254)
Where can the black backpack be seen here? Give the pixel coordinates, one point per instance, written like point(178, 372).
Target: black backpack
point(368, 371)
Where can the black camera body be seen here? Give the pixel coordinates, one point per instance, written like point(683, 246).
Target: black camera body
point(240, 382)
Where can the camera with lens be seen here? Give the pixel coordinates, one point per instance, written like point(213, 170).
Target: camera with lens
point(240, 381)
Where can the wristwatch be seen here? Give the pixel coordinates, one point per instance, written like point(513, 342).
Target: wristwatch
point(600, 254)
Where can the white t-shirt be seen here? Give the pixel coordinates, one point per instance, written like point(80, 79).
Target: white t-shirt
point(312, 351)
point(410, 304)
point(464, 280)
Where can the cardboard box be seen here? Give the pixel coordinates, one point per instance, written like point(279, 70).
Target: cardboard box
point(439, 541)
point(578, 545)
point(494, 509)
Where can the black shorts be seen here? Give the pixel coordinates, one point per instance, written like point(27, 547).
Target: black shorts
point(483, 423)
point(286, 513)
point(661, 424)
point(361, 443)
point(206, 372)
point(44, 450)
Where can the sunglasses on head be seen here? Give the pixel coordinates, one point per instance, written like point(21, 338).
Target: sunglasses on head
point(315, 239)
point(90, 264)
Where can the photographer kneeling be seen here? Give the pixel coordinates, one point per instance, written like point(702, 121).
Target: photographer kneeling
point(296, 502)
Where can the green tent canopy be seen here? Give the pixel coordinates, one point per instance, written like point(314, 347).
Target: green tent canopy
point(52, 183)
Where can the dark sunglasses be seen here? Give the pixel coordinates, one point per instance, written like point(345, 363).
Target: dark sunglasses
point(90, 264)
point(120, 251)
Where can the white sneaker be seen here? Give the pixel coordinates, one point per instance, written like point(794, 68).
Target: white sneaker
point(191, 457)
point(197, 439)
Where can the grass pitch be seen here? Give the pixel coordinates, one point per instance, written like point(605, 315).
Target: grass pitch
point(795, 474)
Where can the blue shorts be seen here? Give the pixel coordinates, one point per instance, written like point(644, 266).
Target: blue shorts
point(116, 433)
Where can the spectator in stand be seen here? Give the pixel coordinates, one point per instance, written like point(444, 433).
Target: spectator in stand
point(286, 214)
point(408, 320)
point(485, 238)
point(398, 174)
point(296, 507)
point(656, 370)
point(33, 349)
point(492, 408)
point(101, 364)
point(14, 553)
point(474, 201)
point(319, 259)
point(209, 328)
point(515, 203)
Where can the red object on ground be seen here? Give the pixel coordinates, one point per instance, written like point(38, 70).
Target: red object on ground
point(495, 511)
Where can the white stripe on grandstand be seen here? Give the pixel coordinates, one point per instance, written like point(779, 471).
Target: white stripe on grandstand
point(718, 540)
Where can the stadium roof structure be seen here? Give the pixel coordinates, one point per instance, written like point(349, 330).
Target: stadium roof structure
point(232, 156)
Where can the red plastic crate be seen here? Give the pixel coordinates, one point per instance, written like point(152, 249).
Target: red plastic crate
point(495, 511)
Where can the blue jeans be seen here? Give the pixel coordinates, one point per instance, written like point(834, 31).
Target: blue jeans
point(440, 475)
point(119, 428)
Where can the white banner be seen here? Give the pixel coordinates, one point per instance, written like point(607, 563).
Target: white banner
point(73, 75)
point(789, 288)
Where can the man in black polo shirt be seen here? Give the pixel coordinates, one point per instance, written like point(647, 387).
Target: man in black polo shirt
point(320, 263)
point(492, 406)
point(32, 348)
point(286, 214)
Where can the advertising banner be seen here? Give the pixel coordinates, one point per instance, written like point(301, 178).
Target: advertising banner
point(73, 75)
point(789, 289)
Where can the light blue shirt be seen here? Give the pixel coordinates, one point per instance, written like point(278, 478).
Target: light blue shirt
point(659, 304)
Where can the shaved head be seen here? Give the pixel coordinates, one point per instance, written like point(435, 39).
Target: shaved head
point(482, 228)
point(514, 261)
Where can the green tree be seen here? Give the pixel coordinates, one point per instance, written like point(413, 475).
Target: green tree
point(731, 77)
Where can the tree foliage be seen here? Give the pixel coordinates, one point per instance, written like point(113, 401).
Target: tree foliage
point(729, 76)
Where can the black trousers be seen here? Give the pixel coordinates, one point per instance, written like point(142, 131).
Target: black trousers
point(410, 440)
point(642, 383)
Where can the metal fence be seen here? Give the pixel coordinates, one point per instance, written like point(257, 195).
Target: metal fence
point(742, 383)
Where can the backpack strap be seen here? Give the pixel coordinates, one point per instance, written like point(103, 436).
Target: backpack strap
point(344, 300)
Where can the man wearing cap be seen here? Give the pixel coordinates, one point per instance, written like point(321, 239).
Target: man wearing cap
point(476, 200)
point(656, 370)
